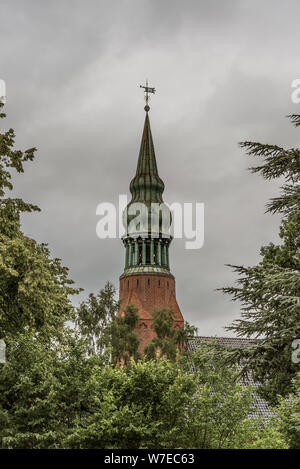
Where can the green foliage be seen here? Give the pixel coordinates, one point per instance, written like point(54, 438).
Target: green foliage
point(216, 414)
point(107, 333)
point(10, 158)
point(221, 414)
point(57, 396)
point(295, 119)
point(42, 390)
point(256, 433)
point(138, 406)
point(288, 415)
point(34, 288)
point(94, 319)
point(169, 340)
point(124, 340)
point(270, 291)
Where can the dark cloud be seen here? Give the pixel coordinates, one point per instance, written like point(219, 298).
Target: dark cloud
point(223, 72)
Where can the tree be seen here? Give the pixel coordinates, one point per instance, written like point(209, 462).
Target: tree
point(288, 415)
point(94, 318)
point(34, 288)
point(56, 396)
point(138, 406)
point(220, 413)
point(42, 390)
point(109, 334)
point(124, 340)
point(270, 291)
point(215, 417)
point(169, 340)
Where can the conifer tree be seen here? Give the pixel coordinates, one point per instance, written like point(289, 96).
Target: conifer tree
point(270, 291)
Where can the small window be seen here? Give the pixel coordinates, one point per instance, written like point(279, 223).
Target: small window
point(148, 282)
point(137, 283)
point(128, 284)
point(159, 283)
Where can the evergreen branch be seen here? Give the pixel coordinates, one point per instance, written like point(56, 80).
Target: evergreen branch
point(277, 161)
point(295, 119)
point(288, 202)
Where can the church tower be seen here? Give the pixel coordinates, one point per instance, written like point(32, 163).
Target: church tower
point(147, 281)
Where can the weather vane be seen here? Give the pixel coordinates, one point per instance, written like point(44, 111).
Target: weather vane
point(147, 90)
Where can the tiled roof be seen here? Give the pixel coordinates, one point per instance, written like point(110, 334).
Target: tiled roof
point(261, 407)
point(235, 342)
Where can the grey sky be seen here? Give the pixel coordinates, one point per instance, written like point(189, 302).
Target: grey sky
point(223, 73)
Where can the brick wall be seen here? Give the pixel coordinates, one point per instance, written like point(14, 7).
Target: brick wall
point(148, 292)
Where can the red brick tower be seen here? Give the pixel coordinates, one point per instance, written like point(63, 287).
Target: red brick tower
point(147, 281)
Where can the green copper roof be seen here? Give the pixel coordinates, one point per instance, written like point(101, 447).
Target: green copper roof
point(147, 186)
point(147, 236)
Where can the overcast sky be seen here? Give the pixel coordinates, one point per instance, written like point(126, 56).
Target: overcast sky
point(223, 72)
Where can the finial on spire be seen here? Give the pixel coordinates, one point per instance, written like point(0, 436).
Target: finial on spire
point(147, 90)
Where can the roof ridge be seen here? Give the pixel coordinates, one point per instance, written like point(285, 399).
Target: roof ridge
point(220, 337)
